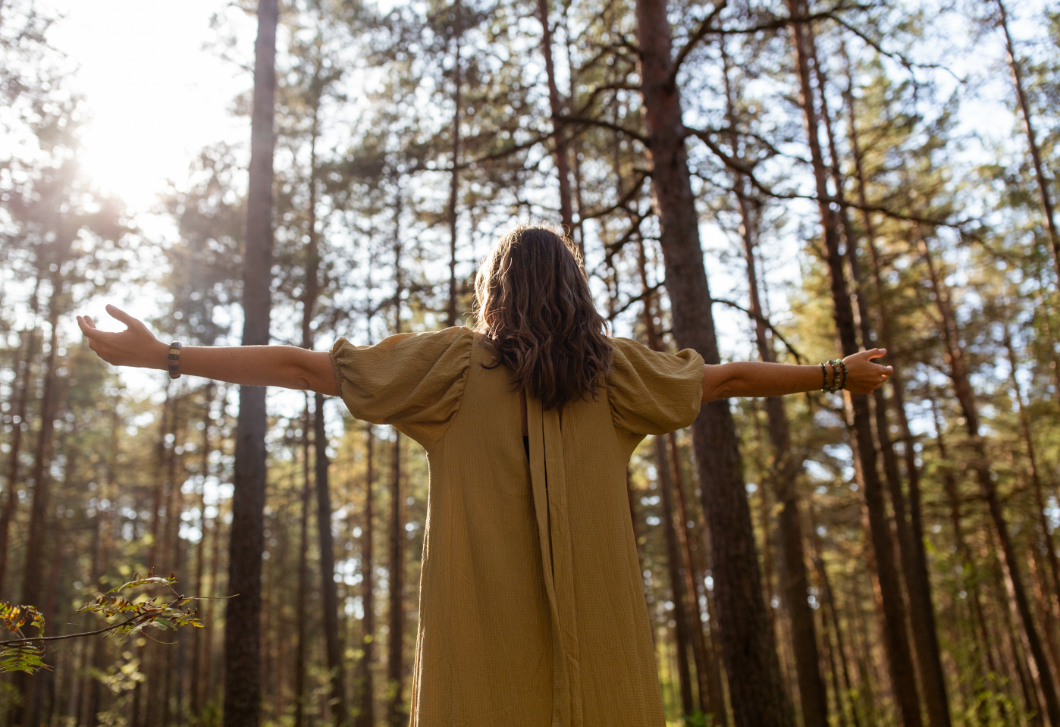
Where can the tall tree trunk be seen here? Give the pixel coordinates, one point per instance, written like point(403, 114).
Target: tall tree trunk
point(454, 179)
point(1041, 671)
point(559, 131)
point(35, 537)
point(329, 591)
point(21, 384)
point(910, 532)
point(242, 706)
point(682, 627)
point(748, 644)
point(395, 665)
point(1046, 547)
point(783, 472)
point(24, 711)
point(704, 666)
point(332, 645)
point(301, 617)
point(711, 691)
point(982, 641)
point(859, 415)
point(366, 715)
point(199, 655)
point(1044, 198)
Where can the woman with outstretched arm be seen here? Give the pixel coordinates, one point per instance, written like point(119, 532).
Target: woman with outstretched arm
point(531, 607)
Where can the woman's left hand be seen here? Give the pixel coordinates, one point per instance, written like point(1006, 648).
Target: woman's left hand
point(135, 346)
point(864, 376)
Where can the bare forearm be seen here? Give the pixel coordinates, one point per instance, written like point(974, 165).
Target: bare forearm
point(757, 378)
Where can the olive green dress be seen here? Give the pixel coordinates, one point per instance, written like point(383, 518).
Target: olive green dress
point(531, 605)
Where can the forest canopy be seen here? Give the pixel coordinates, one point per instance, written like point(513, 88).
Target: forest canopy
point(777, 180)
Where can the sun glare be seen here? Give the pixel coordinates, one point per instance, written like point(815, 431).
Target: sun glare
point(155, 95)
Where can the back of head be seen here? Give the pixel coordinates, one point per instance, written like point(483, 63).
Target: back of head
point(535, 308)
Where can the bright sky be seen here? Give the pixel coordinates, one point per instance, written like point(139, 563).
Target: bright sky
point(156, 95)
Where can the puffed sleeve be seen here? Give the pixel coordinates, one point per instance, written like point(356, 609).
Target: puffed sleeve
point(652, 392)
point(413, 380)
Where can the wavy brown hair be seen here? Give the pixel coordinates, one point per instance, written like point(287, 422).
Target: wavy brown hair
point(535, 308)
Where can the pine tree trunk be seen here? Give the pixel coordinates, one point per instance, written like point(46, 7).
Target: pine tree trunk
point(1044, 198)
point(784, 469)
point(704, 666)
point(329, 591)
point(35, 537)
point(300, 699)
point(748, 645)
point(711, 693)
point(242, 705)
point(366, 715)
point(24, 711)
point(682, 630)
point(198, 653)
point(1041, 671)
point(859, 415)
point(559, 131)
point(1047, 547)
point(333, 647)
point(21, 385)
point(981, 641)
point(910, 532)
point(454, 179)
point(395, 665)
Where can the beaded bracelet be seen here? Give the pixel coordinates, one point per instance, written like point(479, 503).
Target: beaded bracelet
point(836, 365)
point(843, 379)
point(174, 360)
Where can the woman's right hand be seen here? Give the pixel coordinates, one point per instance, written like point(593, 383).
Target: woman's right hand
point(864, 376)
point(135, 346)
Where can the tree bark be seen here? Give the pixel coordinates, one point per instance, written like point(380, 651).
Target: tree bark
point(559, 132)
point(711, 700)
point(366, 715)
point(748, 644)
point(31, 580)
point(1047, 547)
point(333, 647)
point(682, 628)
point(454, 179)
point(303, 578)
point(1041, 671)
point(783, 472)
point(242, 704)
point(858, 412)
point(910, 532)
point(395, 665)
point(199, 656)
point(23, 377)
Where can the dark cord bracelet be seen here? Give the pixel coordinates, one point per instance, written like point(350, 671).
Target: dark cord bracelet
point(174, 360)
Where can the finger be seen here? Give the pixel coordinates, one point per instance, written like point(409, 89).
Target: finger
point(91, 323)
point(124, 317)
point(85, 324)
point(875, 353)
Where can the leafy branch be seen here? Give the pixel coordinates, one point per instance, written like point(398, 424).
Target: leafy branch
point(26, 653)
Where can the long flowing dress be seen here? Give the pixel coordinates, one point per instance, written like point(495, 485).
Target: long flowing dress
point(531, 605)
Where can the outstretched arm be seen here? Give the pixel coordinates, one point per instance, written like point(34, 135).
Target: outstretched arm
point(286, 366)
point(756, 378)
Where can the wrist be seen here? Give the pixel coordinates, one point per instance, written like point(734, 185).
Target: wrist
point(159, 356)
